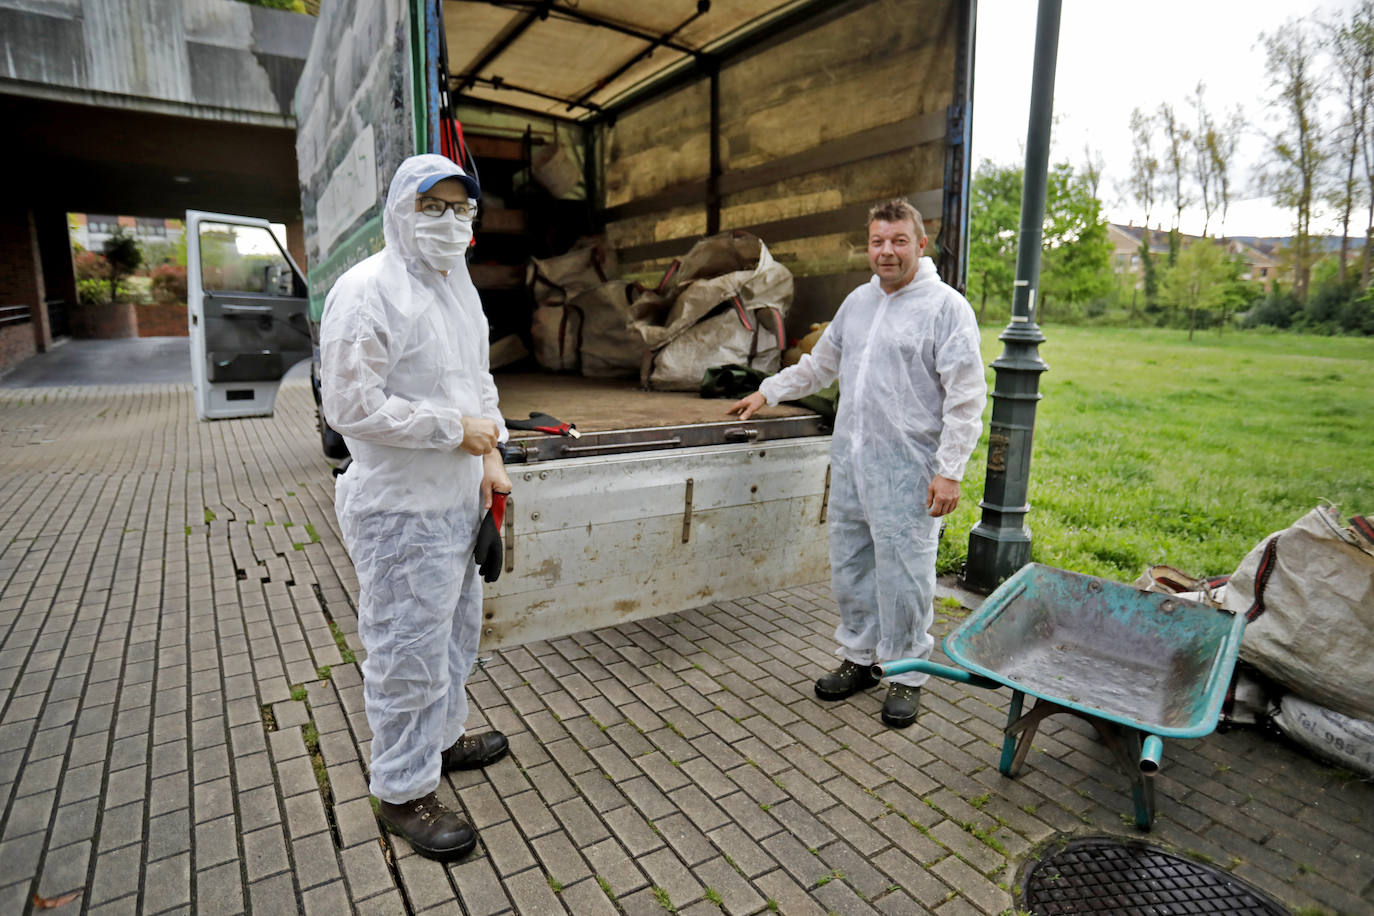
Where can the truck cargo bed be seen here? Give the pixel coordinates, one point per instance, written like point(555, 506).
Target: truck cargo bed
point(602, 405)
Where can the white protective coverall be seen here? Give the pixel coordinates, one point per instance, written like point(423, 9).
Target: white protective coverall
point(403, 358)
point(912, 392)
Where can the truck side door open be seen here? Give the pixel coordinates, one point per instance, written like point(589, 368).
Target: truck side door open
point(247, 313)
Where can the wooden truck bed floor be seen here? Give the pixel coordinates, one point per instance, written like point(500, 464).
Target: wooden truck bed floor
point(599, 405)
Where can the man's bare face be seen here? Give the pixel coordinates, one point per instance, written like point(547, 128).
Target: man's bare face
point(894, 252)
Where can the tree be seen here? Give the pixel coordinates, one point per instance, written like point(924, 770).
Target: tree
point(1144, 180)
point(1076, 265)
point(123, 256)
point(1177, 138)
point(1213, 148)
point(1221, 147)
point(1197, 283)
point(994, 218)
point(1348, 53)
point(1296, 150)
point(1352, 50)
point(1093, 166)
point(1144, 188)
point(1204, 165)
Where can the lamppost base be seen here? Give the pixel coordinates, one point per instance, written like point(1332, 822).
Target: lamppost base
point(993, 556)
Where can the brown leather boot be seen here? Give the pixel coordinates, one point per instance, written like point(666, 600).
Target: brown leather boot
point(472, 751)
point(430, 827)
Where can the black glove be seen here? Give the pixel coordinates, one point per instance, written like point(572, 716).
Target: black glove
point(487, 552)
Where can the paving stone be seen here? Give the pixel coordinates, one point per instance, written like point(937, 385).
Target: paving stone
point(507, 849)
point(666, 871)
point(736, 893)
point(479, 888)
point(587, 897)
point(264, 853)
point(274, 897)
point(426, 882)
point(316, 862)
point(217, 841)
point(326, 900)
point(65, 869)
point(167, 883)
point(532, 894)
point(610, 862)
point(116, 873)
point(169, 834)
point(74, 822)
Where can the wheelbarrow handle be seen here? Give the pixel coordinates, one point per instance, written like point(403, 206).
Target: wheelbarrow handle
point(903, 665)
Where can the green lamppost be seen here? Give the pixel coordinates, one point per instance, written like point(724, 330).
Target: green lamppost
point(1000, 543)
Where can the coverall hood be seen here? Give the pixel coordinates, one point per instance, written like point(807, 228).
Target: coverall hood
point(399, 216)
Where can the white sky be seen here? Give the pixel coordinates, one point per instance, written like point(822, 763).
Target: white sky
point(1114, 57)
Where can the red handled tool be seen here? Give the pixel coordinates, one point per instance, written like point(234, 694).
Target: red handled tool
point(543, 423)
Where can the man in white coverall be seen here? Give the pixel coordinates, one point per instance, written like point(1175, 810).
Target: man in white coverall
point(905, 348)
point(404, 377)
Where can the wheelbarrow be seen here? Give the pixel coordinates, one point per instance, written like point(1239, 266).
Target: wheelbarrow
point(1139, 666)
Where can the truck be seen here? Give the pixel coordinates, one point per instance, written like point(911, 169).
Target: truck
point(647, 126)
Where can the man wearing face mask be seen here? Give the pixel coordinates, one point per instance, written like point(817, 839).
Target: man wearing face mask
point(912, 390)
point(405, 378)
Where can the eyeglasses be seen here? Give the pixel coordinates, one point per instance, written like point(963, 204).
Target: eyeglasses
point(434, 207)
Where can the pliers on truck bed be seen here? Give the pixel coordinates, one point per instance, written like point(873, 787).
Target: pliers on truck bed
point(543, 423)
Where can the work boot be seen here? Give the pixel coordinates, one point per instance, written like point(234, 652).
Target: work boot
point(472, 751)
point(902, 703)
point(845, 681)
point(432, 829)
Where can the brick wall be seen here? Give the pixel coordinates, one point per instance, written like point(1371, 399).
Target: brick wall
point(161, 319)
point(103, 322)
point(16, 345)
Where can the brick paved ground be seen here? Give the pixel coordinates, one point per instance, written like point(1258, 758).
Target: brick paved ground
point(181, 728)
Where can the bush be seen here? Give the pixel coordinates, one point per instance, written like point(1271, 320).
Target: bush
point(169, 283)
point(91, 265)
point(94, 291)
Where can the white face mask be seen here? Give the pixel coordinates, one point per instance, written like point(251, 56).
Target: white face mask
point(443, 240)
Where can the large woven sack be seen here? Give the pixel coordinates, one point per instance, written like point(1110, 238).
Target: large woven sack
point(608, 348)
point(556, 331)
point(723, 303)
point(556, 280)
point(1308, 594)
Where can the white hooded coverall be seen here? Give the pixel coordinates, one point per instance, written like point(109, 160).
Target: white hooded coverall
point(912, 392)
point(403, 358)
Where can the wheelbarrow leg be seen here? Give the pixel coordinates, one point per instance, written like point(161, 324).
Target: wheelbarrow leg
point(1009, 736)
point(1125, 743)
point(1026, 725)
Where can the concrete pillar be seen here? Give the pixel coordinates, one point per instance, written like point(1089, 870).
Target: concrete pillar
point(59, 274)
point(21, 284)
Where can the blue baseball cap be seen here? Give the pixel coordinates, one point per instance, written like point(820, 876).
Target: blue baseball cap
point(452, 171)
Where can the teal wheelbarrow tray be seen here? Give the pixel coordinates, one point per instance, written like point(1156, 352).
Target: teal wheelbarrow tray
point(1140, 666)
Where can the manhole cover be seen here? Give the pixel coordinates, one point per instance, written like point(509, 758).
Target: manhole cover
point(1103, 875)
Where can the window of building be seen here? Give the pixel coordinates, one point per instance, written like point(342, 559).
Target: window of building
point(151, 227)
point(1264, 271)
point(99, 224)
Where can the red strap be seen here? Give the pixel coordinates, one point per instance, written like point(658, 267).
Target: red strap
point(668, 275)
point(743, 315)
point(1266, 567)
point(498, 507)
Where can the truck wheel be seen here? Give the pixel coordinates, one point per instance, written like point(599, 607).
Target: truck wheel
point(333, 443)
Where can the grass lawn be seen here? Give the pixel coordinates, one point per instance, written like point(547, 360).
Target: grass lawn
point(1150, 448)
